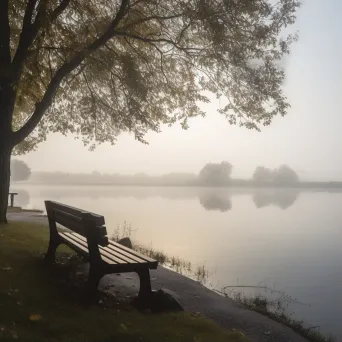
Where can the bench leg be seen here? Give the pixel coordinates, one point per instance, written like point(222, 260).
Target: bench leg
point(50, 256)
point(95, 275)
point(145, 283)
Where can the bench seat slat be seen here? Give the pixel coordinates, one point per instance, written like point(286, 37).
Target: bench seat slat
point(81, 249)
point(131, 251)
point(102, 252)
point(127, 256)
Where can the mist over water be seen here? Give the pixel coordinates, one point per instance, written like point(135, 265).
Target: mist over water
point(288, 239)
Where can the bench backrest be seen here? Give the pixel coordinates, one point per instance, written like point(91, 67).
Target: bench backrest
point(85, 223)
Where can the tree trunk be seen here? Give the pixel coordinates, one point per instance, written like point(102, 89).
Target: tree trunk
point(7, 98)
point(5, 161)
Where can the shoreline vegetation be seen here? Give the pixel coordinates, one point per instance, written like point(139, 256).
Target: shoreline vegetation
point(275, 307)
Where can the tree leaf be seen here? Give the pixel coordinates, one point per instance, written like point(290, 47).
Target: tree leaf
point(35, 317)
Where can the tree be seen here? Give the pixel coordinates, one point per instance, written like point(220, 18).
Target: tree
point(263, 175)
point(215, 201)
point(284, 175)
point(215, 174)
point(97, 68)
point(19, 170)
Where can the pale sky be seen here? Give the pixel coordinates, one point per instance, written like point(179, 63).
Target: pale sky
point(307, 139)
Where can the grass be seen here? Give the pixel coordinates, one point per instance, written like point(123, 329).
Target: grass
point(275, 309)
point(39, 303)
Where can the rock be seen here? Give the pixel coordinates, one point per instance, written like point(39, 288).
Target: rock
point(126, 241)
point(159, 301)
point(163, 300)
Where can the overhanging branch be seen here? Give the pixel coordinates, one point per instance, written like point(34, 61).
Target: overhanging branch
point(30, 30)
point(187, 49)
point(64, 71)
point(59, 9)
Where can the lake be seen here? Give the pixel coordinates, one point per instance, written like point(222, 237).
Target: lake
point(288, 240)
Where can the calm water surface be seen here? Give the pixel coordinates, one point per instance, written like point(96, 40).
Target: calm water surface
point(287, 240)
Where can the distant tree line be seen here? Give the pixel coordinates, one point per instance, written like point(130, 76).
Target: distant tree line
point(212, 174)
point(220, 175)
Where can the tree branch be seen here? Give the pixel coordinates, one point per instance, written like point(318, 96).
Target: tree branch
point(5, 52)
point(152, 17)
point(30, 30)
point(65, 70)
point(159, 40)
point(27, 35)
point(27, 21)
point(59, 9)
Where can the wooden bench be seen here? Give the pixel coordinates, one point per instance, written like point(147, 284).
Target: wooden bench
point(88, 237)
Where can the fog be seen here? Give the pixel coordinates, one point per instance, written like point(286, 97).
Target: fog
point(307, 139)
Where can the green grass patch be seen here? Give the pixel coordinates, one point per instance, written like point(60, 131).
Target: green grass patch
point(39, 303)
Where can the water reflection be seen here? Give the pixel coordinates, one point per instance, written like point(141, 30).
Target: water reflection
point(282, 198)
point(211, 199)
point(215, 201)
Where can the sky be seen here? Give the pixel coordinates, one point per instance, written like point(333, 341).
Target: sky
point(308, 139)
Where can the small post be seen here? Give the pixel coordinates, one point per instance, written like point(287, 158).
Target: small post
point(12, 194)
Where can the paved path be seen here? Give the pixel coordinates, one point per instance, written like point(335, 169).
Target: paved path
point(195, 298)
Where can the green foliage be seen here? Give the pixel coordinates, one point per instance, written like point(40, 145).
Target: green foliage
point(43, 304)
point(19, 170)
point(98, 68)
